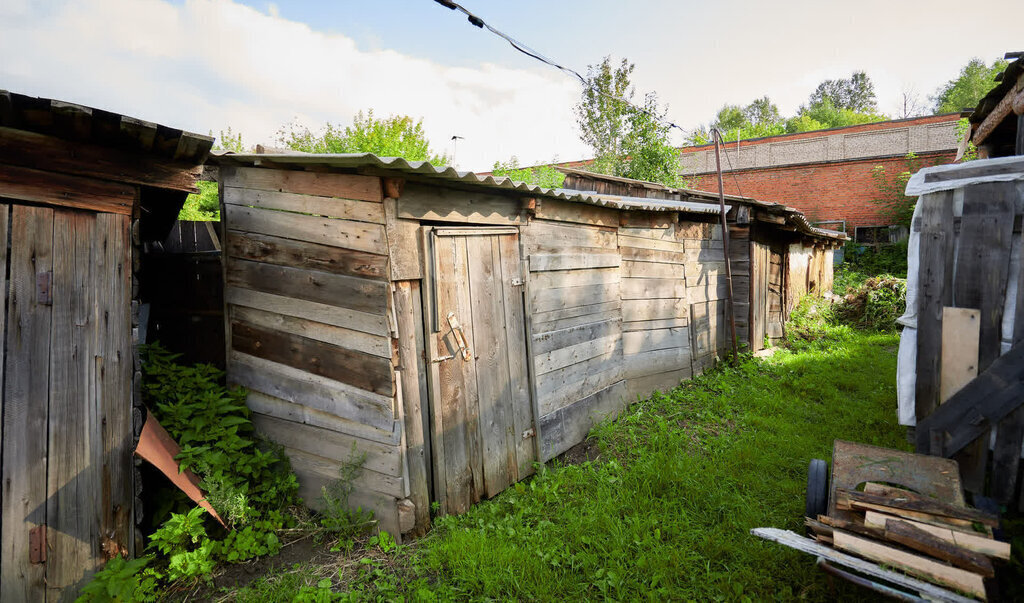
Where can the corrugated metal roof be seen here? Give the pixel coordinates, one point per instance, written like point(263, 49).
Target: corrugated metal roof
point(449, 174)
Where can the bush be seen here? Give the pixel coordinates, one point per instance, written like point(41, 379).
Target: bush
point(875, 261)
point(874, 305)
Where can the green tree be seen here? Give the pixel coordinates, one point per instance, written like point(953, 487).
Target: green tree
point(395, 136)
point(824, 114)
point(758, 119)
point(627, 140)
point(229, 141)
point(856, 94)
point(976, 79)
point(545, 176)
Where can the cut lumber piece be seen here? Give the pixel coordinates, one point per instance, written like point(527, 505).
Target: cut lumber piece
point(852, 526)
point(961, 332)
point(912, 537)
point(933, 571)
point(794, 541)
point(972, 542)
point(917, 504)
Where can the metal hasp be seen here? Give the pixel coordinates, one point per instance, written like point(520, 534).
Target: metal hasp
point(725, 245)
point(853, 464)
point(460, 337)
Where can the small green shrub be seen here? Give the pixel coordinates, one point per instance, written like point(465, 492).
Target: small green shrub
point(120, 581)
point(336, 516)
point(202, 207)
point(875, 261)
point(874, 305)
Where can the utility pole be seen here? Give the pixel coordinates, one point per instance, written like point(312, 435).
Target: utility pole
point(725, 244)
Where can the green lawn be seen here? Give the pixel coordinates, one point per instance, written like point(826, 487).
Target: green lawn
point(665, 509)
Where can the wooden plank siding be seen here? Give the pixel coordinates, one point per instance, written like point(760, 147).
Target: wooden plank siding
point(311, 325)
point(67, 436)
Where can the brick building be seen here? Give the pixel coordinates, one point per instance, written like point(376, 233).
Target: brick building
point(827, 173)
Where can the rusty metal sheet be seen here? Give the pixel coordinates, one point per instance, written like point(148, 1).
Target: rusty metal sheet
point(854, 464)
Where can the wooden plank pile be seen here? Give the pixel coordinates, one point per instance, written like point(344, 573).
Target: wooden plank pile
point(947, 545)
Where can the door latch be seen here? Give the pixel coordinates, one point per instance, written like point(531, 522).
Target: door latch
point(460, 337)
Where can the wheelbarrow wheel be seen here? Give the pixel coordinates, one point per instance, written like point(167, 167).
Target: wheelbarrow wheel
point(817, 489)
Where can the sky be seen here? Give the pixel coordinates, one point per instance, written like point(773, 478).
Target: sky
point(256, 66)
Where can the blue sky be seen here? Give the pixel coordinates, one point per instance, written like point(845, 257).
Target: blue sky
point(255, 66)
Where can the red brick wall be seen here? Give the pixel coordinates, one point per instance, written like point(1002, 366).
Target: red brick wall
point(823, 191)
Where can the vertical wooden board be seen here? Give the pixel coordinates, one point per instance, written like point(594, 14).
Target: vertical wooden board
point(934, 293)
point(451, 394)
point(113, 378)
point(5, 211)
point(491, 354)
point(982, 267)
point(26, 396)
point(960, 332)
point(472, 409)
point(409, 315)
point(432, 360)
point(72, 516)
point(1006, 456)
point(515, 337)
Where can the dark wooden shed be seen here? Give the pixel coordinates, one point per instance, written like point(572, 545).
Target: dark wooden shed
point(79, 189)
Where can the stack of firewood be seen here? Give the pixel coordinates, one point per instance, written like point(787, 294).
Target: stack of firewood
point(948, 545)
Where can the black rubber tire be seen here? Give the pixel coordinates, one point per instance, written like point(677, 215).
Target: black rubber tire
point(817, 489)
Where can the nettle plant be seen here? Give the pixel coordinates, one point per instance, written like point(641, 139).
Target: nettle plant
point(248, 480)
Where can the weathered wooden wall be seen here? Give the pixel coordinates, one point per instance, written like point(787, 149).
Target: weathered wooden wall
point(309, 325)
point(576, 311)
point(66, 367)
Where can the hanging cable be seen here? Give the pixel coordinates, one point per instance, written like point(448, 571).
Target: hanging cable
point(523, 48)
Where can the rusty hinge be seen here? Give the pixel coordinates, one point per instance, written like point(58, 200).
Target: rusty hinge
point(44, 288)
point(529, 433)
point(37, 544)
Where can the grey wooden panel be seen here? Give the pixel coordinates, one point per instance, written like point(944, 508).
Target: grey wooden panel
point(73, 478)
point(425, 202)
point(26, 396)
point(409, 316)
point(330, 207)
point(353, 293)
point(351, 186)
point(515, 336)
point(934, 292)
point(114, 370)
point(568, 426)
point(347, 234)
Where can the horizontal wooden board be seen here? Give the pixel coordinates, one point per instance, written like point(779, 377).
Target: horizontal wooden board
point(348, 186)
point(540, 262)
point(289, 411)
point(383, 506)
point(329, 207)
point(331, 469)
point(574, 278)
point(553, 340)
point(577, 213)
point(543, 236)
point(555, 324)
point(637, 254)
point(332, 445)
point(305, 255)
point(657, 361)
point(364, 371)
point(698, 274)
point(658, 234)
point(703, 256)
point(354, 293)
point(705, 244)
point(348, 234)
point(633, 269)
point(643, 387)
point(566, 385)
point(585, 350)
point(706, 293)
point(349, 339)
point(651, 325)
point(636, 342)
point(548, 300)
point(568, 426)
point(374, 324)
point(62, 190)
point(430, 202)
point(699, 230)
point(653, 309)
point(653, 244)
point(587, 310)
point(291, 384)
point(653, 288)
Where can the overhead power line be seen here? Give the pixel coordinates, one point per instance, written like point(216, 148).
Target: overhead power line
point(523, 48)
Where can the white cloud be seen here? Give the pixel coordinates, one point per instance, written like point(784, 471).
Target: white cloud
point(210, 64)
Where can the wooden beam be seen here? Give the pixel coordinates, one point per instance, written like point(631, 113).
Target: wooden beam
point(919, 505)
point(999, 113)
point(39, 151)
point(902, 532)
point(53, 189)
point(971, 542)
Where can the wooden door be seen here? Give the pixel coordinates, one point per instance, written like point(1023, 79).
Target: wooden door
point(482, 419)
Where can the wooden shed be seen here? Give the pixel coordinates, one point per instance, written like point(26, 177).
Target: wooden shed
point(79, 188)
point(451, 329)
point(777, 256)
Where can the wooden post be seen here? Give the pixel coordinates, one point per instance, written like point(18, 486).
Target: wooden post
point(725, 244)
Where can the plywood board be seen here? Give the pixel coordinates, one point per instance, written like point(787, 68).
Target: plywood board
point(961, 328)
